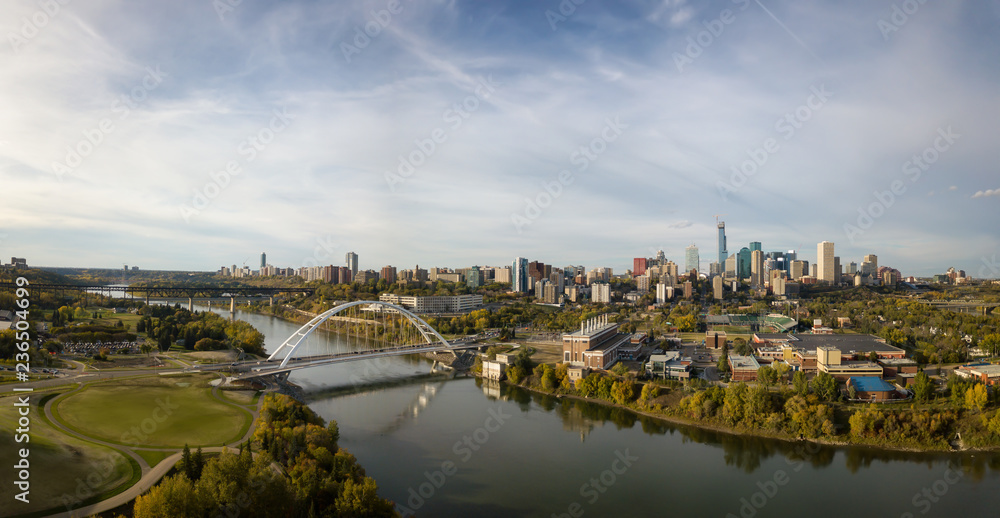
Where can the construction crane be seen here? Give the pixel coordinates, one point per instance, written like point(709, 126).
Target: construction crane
point(717, 216)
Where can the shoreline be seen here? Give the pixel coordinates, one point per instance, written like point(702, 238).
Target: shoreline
point(717, 428)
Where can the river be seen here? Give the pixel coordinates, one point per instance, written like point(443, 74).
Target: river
point(461, 447)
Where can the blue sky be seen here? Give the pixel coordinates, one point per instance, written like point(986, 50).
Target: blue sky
point(585, 135)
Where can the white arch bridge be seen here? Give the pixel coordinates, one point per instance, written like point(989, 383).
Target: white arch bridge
point(377, 329)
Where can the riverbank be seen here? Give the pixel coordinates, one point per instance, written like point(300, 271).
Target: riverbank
point(717, 427)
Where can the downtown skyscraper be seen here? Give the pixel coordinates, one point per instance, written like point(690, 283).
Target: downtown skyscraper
point(691, 258)
point(723, 253)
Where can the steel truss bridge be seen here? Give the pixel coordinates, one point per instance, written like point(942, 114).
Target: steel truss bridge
point(378, 330)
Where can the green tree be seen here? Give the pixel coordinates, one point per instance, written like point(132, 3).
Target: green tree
point(923, 388)
point(733, 403)
point(825, 387)
point(800, 383)
point(620, 369)
point(742, 347)
point(767, 376)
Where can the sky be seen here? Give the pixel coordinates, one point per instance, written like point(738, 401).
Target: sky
point(187, 135)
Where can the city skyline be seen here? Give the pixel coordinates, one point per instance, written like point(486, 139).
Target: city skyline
point(463, 133)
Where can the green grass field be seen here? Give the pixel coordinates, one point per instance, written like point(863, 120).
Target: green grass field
point(60, 465)
point(154, 411)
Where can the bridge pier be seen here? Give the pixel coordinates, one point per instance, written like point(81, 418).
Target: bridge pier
point(191, 304)
point(147, 299)
point(232, 305)
point(270, 301)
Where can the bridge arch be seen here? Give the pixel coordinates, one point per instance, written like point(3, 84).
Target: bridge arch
point(292, 343)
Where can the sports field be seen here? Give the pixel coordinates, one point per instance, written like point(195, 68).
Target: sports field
point(154, 411)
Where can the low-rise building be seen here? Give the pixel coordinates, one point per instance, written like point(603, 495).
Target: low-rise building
point(669, 365)
point(743, 368)
point(872, 389)
point(595, 345)
point(985, 373)
point(829, 360)
point(494, 370)
point(434, 304)
point(893, 366)
point(715, 339)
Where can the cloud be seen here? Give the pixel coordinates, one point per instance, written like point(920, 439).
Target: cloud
point(987, 192)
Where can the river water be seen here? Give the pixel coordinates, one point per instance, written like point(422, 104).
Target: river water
point(439, 446)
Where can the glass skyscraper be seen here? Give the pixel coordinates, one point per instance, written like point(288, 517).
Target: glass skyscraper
point(723, 253)
point(691, 259)
point(519, 275)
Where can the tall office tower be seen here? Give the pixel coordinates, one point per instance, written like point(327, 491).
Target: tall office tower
point(717, 288)
point(475, 277)
point(352, 263)
point(798, 270)
point(836, 270)
point(869, 265)
point(824, 261)
point(814, 271)
point(757, 269)
point(778, 261)
point(852, 268)
point(691, 258)
point(661, 258)
point(519, 275)
point(755, 245)
point(715, 268)
point(791, 256)
point(723, 254)
point(731, 267)
point(743, 263)
point(638, 266)
point(263, 260)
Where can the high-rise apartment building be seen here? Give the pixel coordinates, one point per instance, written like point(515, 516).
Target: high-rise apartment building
point(519, 275)
point(601, 292)
point(352, 263)
point(638, 266)
point(824, 262)
point(263, 260)
point(691, 259)
point(389, 274)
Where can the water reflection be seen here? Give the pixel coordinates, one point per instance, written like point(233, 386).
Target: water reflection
point(744, 452)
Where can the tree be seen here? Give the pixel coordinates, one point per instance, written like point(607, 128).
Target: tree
point(767, 376)
point(622, 391)
point(742, 347)
point(976, 397)
point(733, 403)
point(782, 369)
point(173, 497)
point(923, 388)
point(649, 392)
point(801, 383)
point(620, 369)
point(825, 386)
